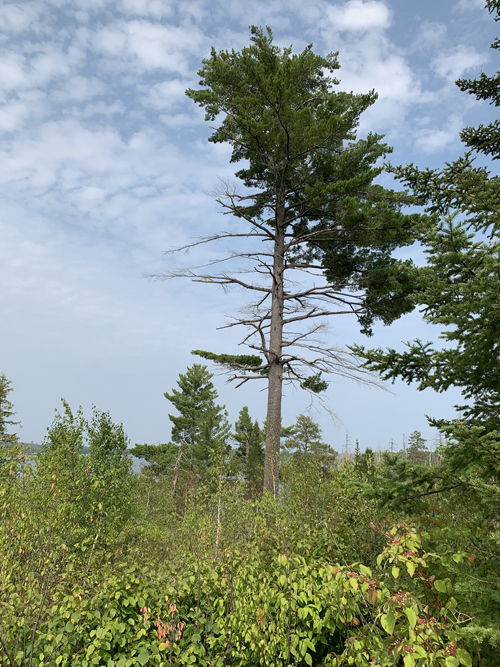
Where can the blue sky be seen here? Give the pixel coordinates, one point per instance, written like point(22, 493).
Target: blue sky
point(105, 164)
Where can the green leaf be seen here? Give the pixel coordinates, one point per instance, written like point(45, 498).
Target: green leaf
point(395, 572)
point(308, 658)
point(451, 661)
point(464, 657)
point(143, 657)
point(388, 622)
point(412, 617)
point(440, 585)
point(411, 568)
point(365, 570)
point(409, 660)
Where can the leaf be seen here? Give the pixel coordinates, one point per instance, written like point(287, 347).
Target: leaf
point(308, 659)
point(471, 558)
point(411, 568)
point(372, 595)
point(409, 660)
point(388, 622)
point(464, 657)
point(440, 585)
point(143, 657)
point(412, 617)
point(451, 661)
point(365, 570)
point(395, 572)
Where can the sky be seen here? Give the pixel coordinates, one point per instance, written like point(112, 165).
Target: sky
point(105, 164)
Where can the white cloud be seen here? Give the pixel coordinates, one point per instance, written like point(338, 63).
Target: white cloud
point(102, 109)
point(16, 112)
point(431, 140)
point(46, 63)
point(79, 89)
point(373, 62)
point(15, 18)
point(456, 62)
point(156, 8)
point(13, 74)
point(430, 33)
point(468, 5)
point(359, 15)
point(151, 45)
point(167, 94)
point(179, 120)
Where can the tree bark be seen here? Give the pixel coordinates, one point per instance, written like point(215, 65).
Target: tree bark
point(275, 383)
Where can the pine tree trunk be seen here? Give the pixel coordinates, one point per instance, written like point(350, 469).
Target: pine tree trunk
point(275, 381)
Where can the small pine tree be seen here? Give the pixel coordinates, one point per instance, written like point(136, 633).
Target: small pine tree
point(6, 412)
point(202, 424)
point(249, 438)
point(306, 439)
point(417, 448)
point(242, 436)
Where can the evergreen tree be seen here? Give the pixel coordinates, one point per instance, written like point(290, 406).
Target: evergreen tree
point(201, 423)
point(305, 439)
point(458, 291)
point(305, 436)
point(459, 287)
point(160, 458)
point(364, 465)
point(249, 438)
point(417, 448)
point(357, 454)
point(312, 201)
point(6, 412)
point(243, 434)
point(255, 474)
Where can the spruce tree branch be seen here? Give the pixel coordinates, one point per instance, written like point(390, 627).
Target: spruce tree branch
point(430, 493)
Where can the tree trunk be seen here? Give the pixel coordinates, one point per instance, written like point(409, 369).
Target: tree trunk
point(275, 381)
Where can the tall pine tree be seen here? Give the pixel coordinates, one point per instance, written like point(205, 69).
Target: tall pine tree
point(310, 207)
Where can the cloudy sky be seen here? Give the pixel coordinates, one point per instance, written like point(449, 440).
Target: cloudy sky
point(104, 164)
